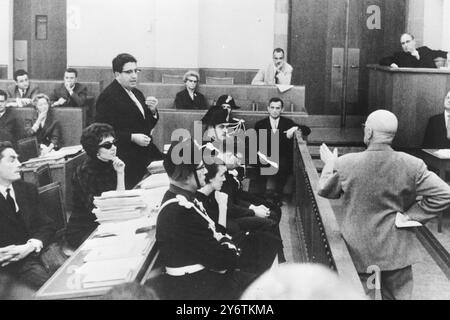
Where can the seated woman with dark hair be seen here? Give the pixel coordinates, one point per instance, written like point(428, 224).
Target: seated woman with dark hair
point(45, 128)
point(101, 171)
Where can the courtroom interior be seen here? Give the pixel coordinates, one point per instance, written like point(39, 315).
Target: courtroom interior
point(225, 149)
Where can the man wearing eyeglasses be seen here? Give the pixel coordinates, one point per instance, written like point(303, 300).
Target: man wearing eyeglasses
point(132, 116)
point(412, 57)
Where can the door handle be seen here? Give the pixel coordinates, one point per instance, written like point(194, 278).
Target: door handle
point(354, 67)
point(337, 66)
point(20, 59)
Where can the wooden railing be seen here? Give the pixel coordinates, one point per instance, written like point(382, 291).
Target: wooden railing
point(317, 227)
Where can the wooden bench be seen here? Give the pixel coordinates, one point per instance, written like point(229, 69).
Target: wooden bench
point(249, 98)
point(47, 87)
point(71, 120)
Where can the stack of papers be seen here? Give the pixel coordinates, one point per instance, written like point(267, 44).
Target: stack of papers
point(443, 153)
point(404, 221)
point(108, 272)
point(119, 206)
point(128, 205)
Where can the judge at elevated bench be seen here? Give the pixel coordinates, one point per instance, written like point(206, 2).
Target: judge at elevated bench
point(437, 133)
point(375, 185)
point(278, 72)
point(410, 57)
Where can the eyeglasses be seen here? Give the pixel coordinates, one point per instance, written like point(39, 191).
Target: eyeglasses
point(132, 71)
point(107, 145)
point(189, 80)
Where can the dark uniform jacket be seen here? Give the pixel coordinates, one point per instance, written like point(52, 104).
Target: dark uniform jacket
point(185, 238)
point(49, 133)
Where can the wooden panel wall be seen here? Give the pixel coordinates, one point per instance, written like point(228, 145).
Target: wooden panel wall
point(318, 26)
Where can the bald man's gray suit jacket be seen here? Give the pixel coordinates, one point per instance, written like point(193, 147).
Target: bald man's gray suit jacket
point(374, 186)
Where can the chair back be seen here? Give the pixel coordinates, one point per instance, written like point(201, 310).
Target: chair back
point(220, 81)
point(42, 175)
point(172, 79)
point(28, 148)
point(51, 202)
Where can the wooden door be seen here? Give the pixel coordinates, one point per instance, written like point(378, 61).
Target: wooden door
point(40, 27)
point(317, 42)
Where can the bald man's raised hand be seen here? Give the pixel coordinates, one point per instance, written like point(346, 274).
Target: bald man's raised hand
point(326, 155)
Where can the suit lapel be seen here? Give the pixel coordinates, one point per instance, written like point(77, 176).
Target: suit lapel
point(123, 95)
point(20, 194)
point(4, 209)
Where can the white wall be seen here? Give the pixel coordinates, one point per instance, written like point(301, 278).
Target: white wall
point(236, 33)
point(446, 26)
point(433, 23)
point(172, 33)
point(5, 31)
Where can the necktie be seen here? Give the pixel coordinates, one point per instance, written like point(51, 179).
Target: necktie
point(448, 127)
point(10, 200)
point(276, 78)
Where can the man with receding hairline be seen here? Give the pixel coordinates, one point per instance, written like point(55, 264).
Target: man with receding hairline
point(412, 57)
point(375, 185)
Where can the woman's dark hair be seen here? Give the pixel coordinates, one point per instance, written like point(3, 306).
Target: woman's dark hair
point(93, 135)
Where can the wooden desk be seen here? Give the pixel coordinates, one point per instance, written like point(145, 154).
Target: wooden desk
point(61, 172)
point(67, 284)
point(442, 165)
point(413, 95)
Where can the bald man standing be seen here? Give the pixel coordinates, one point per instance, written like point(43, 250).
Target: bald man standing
point(374, 185)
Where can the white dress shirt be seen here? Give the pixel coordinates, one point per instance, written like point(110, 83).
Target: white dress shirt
point(447, 114)
point(274, 124)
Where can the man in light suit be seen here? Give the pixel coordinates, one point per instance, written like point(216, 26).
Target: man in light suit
point(24, 230)
point(437, 133)
point(278, 72)
point(375, 185)
point(133, 118)
point(21, 93)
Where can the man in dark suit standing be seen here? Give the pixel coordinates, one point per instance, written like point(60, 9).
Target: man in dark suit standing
point(70, 93)
point(437, 133)
point(22, 92)
point(8, 122)
point(283, 130)
point(133, 118)
point(24, 231)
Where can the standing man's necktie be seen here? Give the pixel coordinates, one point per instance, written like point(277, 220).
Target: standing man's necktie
point(10, 200)
point(448, 127)
point(276, 77)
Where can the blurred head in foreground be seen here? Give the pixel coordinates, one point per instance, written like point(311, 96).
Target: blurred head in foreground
point(300, 282)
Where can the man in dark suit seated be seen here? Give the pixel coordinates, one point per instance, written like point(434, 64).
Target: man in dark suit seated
point(24, 230)
point(8, 122)
point(133, 118)
point(21, 93)
point(70, 93)
point(437, 133)
point(410, 57)
point(190, 98)
point(280, 130)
